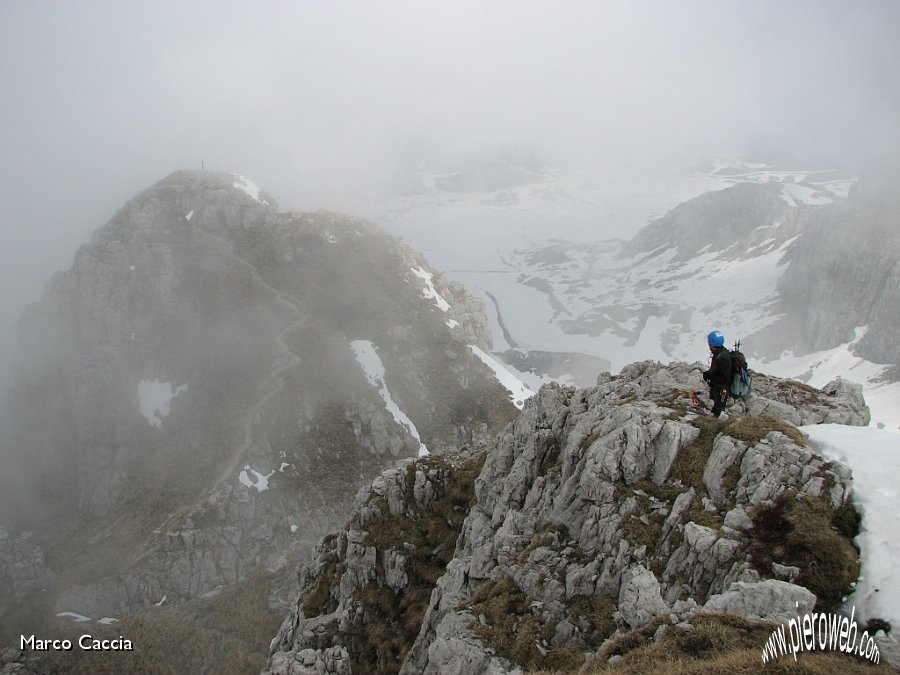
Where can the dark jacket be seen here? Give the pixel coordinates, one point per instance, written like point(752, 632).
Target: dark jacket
point(719, 374)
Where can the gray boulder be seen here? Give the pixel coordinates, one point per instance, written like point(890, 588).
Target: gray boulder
point(640, 599)
point(769, 600)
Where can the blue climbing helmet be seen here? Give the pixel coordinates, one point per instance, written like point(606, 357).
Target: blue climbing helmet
point(715, 339)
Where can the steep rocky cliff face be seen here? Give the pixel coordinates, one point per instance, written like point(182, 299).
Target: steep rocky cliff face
point(201, 395)
point(597, 513)
point(845, 273)
point(718, 221)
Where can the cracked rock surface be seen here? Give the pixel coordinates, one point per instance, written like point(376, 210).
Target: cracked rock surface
point(597, 511)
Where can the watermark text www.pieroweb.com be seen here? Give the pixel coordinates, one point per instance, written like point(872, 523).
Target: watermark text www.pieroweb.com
point(820, 631)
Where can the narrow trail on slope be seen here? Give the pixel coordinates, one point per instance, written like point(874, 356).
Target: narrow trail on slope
point(273, 383)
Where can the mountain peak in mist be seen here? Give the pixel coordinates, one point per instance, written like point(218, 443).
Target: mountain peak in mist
point(200, 394)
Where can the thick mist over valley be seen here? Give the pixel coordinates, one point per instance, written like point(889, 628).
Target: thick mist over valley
point(333, 106)
point(407, 303)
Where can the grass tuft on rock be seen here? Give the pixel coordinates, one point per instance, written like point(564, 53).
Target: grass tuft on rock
point(847, 520)
point(518, 629)
point(698, 514)
point(753, 428)
point(691, 460)
point(638, 533)
point(388, 622)
point(801, 532)
point(717, 643)
point(321, 594)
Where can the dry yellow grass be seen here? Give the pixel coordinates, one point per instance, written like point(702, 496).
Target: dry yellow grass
point(719, 643)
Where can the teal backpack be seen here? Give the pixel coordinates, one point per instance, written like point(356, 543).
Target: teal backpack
point(740, 381)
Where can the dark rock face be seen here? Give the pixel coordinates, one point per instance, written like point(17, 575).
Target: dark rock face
point(718, 220)
point(845, 273)
point(189, 405)
point(597, 511)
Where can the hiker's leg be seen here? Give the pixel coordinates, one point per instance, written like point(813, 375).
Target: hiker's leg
point(718, 402)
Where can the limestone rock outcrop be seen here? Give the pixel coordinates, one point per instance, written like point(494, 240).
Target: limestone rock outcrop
point(597, 511)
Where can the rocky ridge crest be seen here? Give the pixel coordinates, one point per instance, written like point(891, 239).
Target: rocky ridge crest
point(597, 511)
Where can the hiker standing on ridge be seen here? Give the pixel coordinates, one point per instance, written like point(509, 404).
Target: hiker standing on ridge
point(719, 374)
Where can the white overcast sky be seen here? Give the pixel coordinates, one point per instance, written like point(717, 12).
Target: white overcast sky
point(318, 100)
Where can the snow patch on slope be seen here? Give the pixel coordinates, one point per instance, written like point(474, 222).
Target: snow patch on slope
point(368, 359)
point(74, 616)
point(429, 291)
point(248, 186)
point(155, 399)
point(818, 368)
point(874, 457)
point(882, 398)
point(795, 194)
point(254, 479)
point(518, 392)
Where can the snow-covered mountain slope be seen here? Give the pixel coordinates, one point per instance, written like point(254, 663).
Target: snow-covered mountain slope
point(655, 304)
point(745, 248)
point(469, 219)
point(649, 299)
